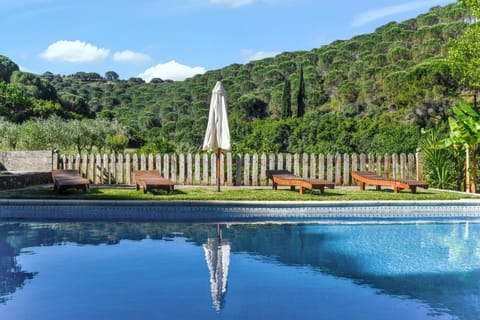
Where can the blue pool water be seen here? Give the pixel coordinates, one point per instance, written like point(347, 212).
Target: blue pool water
point(239, 271)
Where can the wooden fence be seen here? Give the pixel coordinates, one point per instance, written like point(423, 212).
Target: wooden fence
point(239, 170)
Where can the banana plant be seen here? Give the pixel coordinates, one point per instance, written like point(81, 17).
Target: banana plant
point(465, 133)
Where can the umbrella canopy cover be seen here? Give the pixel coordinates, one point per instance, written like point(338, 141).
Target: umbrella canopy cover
point(217, 135)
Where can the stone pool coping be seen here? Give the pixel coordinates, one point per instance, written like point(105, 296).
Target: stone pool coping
point(239, 211)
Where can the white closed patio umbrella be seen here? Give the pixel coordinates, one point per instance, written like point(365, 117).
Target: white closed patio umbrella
point(217, 135)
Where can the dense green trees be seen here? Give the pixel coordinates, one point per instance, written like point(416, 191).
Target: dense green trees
point(7, 67)
point(465, 60)
point(301, 95)
point(14, 104)
point(286, 100)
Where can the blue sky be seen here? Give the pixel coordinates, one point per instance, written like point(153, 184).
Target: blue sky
point(175, 39)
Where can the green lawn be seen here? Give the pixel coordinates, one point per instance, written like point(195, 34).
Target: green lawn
point(251, 194)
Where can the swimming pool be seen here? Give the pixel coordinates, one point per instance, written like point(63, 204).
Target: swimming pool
point(342, 270)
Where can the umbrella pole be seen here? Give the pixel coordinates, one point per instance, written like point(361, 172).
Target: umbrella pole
point(218, 169)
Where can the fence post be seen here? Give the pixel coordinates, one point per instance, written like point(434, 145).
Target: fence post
point(77, 163)
point(197, 169)
point(205, 169)
point(419, 164)
point(255, 169)
point(379, 164)
point(105, 171)
point(55, 160)
point(166, 165)
point(143, 162)
point(403, 165)
point(128, 169)
point(98, 167)
point(411, 166)
point(113, 169)
point(189, 169)
point(246, 172)
point(346, 169)
point(371, 162)
point(363, 162)
point(238, 174)
point(181, 168)
point(173, 168)
point(354, 166)
point(271, 162)
point(395, 166)
point(321, 166)
point(263, 169)
point(151, 165)
point(280, 161)
point(386, 161)
point(91, 168)
point(329, 167)
point(296, 164)
point(120, 172)
point(338, 169)
point(305, 165)
point(288, 162)
point(70, 162)
point(229, 169)
point(84, 166)
point(158, 163)
point(313, 166)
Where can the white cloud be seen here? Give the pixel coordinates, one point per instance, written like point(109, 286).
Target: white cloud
point(74, 51)
point(376, 14)
point(250, 54)
point(171, 70)
point(131, 57)
point(232, 3)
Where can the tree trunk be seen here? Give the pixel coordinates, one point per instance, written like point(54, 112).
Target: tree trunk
point(467, 169)
point(474, 170)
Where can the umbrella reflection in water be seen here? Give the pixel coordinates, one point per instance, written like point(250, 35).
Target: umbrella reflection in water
point(217, 254)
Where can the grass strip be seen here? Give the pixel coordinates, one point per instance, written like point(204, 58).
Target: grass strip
point(238, 194)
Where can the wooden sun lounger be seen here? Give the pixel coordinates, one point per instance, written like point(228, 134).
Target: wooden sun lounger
point(151, 179)
point(286, 178)
point(367, 177)
point(68, 179)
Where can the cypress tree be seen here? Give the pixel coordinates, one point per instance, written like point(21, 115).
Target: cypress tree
point(301, 95)
point(286, 101)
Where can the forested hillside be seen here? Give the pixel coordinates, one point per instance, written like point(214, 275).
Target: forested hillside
point(373, 92)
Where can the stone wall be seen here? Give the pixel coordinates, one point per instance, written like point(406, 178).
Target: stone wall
point(28, 161)
point(22, 180)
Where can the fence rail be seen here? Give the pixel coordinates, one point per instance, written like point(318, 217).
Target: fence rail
point(239, 170)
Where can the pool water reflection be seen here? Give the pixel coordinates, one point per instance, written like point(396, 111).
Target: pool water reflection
point(239, 271)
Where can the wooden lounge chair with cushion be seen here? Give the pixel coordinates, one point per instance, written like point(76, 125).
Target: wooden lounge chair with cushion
point(68, 179)
point(286, 178)
point(367, 177)
point(151, 179)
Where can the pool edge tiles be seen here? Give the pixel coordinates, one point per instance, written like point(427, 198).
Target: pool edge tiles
point(208, 211)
